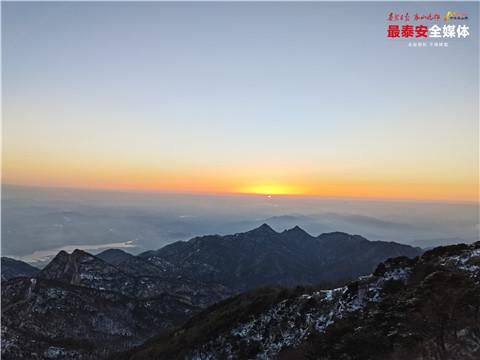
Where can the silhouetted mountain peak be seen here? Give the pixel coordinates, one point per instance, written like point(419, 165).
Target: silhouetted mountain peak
point(63, 258)
point(60, 259)
point(262, 229)
point(296, 231)
point(77, 253)
point(61, 254)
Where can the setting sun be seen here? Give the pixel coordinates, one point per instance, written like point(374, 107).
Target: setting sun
point(272, 189)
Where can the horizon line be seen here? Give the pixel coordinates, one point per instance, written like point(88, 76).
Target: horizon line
point(238, 193)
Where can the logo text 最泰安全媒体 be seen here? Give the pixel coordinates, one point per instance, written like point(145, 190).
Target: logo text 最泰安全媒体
point(409, 31)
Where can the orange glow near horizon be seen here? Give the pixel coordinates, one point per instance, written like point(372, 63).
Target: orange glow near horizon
point(129, 178)
point(374, 191)
point(57, 170)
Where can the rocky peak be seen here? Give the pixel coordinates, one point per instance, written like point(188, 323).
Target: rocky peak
point(82, 255)
point(296, 231)
point(263, 229)
point(77, 268)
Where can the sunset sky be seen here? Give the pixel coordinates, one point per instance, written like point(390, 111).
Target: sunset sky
point(301, 99)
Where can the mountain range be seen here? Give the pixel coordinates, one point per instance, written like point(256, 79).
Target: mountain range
point(12, 268)
point(263, 256)
point(418, 308)
point(82, 306)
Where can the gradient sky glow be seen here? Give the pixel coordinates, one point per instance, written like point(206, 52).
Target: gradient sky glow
point(296, 98)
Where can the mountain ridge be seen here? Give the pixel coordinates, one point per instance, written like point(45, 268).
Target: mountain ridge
point(274, 256)
point(119, 305)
